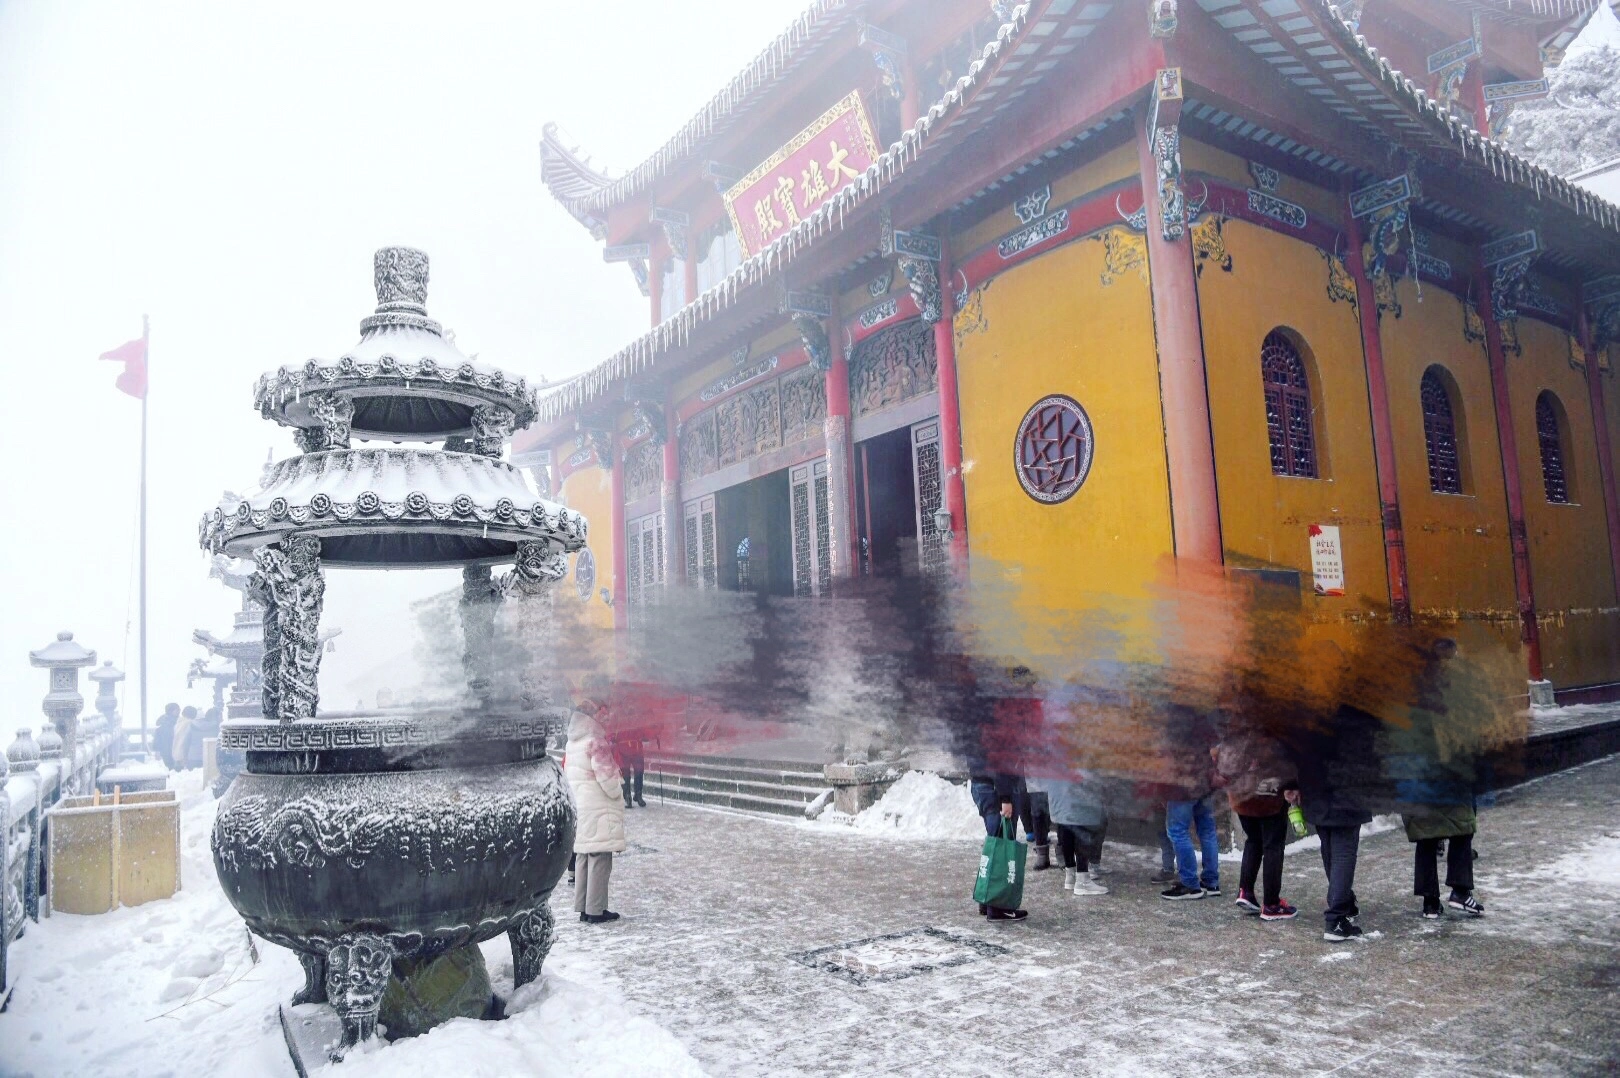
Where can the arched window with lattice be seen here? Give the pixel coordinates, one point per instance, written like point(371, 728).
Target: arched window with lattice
point(1288, 407)
point(1440, 433)
point(1551, 431)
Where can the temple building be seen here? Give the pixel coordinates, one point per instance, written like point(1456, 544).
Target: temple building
point(1054, 294)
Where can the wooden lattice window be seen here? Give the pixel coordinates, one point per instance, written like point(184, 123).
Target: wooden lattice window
point(1440, 435)
point(1288, 408)
point(1549, 434)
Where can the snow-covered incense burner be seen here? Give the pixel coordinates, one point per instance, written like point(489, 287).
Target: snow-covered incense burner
point(363, 840)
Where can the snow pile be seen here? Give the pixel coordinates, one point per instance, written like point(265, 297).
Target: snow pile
point(171, 988)
point(1595, 865)
point(921, 805)
point(1577, 125)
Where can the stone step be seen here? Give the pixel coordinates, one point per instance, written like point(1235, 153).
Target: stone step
point(779, 791)
point(696, 762)
point(699, 768)
point(735, 802)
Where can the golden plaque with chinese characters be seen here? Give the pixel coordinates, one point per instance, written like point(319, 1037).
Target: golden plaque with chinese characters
point(793, 182)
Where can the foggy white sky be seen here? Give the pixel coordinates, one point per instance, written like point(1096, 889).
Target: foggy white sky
point(228, 168)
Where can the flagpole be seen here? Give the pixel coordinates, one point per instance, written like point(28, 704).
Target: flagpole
point(147, 358)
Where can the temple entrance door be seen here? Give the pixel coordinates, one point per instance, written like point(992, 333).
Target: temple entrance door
point(812, 539)
point(702, 565)
point(897, 489)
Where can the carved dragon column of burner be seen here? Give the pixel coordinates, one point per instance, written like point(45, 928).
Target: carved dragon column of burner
point(357, 969)
point(531, 583)
point(290, 586)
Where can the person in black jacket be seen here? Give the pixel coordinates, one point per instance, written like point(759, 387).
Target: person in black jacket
point(1339, 779)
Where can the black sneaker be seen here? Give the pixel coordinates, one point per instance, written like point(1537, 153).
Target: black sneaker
point(1431, 908)
point(1467, 903)
point(998, 914)
point(1341, 930)
point(1213, 892)
point(605, 917)
point(639, 802)
point(1164, 875)
point(1246, 902)
point(1178, 893)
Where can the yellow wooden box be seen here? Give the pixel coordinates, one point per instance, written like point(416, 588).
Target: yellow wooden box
point(101, 855)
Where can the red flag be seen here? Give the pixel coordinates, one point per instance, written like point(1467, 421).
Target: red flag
point(133, 356)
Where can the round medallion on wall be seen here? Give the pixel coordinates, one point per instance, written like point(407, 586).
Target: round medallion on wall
point(585, 573)
point(1052, 453)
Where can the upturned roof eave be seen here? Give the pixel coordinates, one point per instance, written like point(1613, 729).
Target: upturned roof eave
point(753, 84)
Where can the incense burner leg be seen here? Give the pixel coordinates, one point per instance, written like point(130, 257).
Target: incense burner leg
point(531, 941)
point(357, 971)
point(314, 990)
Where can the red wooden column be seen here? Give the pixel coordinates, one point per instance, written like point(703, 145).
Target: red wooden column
point(950, 409)
point(674, 535)
point(840, 453)
point(1529, 633)
point(1600, 426)
point(655, 281)
point(621, 570)
point(1383, 431)
point(1195, 516)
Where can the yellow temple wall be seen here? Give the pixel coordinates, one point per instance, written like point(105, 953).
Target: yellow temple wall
point(1050, 576)
point(590, 491)
point(1569, 549)
point(1458, 555)
point(1279, 282)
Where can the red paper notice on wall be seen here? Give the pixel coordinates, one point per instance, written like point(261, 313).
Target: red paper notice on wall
point(797, 179)
point(1327, 559)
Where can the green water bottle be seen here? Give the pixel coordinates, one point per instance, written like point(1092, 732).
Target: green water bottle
point(1296, 817)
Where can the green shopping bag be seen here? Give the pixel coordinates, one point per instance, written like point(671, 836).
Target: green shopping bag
point(1001, 870)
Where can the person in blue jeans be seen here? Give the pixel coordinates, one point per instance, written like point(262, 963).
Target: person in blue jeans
point(1181, 819)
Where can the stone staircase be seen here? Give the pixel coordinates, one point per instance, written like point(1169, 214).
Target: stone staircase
point(775, 787)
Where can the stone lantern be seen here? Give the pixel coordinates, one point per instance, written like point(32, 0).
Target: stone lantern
point(64, 659)
point(107, 678)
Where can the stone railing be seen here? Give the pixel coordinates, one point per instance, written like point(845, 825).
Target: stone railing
point(29, 785)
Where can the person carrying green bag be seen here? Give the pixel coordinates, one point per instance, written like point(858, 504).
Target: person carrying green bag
point(1000, 886)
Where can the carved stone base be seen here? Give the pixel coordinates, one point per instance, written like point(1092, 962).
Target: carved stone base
point(311, 1033)
point(858, 786)
point(426, 992)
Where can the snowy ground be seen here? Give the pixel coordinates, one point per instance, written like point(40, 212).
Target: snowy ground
point(170, 988)
point(754, 947)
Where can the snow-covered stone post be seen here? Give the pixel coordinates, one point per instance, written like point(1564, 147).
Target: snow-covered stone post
point(64, 659)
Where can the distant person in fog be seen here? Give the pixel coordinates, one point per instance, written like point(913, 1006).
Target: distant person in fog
point(180, 750)
point(163, 734)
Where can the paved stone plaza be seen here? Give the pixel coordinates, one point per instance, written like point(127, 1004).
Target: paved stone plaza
point(733, 926)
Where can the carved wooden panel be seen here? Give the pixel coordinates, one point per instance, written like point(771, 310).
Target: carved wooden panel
point(892, 366)
point(699, 449)
point(804, 404)
point(643, 470)
point(761, 420)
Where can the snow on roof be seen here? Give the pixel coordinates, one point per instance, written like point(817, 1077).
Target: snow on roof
point(1602, 31)
point(587, 193)
point(1433, 124)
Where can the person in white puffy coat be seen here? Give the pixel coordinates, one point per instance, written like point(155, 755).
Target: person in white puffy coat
point(594, 778)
